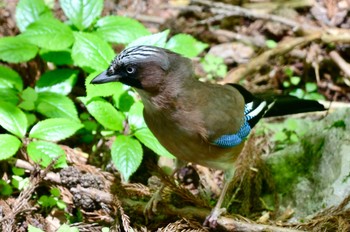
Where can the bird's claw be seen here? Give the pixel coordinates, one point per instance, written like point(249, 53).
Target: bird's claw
point(212, 219)
point(151, 206)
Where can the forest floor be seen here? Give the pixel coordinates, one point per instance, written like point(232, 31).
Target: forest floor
point(298, 47)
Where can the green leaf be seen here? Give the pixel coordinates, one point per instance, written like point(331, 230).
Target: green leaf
point(158, 39)
point(55, 192)
point(6, 189)
point(54, 105)
point(280, 136)
point(126, 155)
point(9, 78)
point(135, 117)
point(33, 229)
point(121, 30)
point(9, 95)
point(147, 138)
point(49, 33)
point(57, 57)
point(19, 182)
point(105, 90)
point(299, 93)
point(29, 96)
point(310, 87)
point(271, 43)
point(91, 52)
point(54, 129)
point(82, 13)
point(28, 11)
point(186, 45)
point(31, 118)
point(9, 145)
point(18, 171)
point(314, 96)
point(289, 71)
point(123, 101)
point(59, 81)
point(295, 80)
point(103, 111)
point(67, 228)
point(12, 119)
point(286, 84)
point(16, 50)
point(44, 153)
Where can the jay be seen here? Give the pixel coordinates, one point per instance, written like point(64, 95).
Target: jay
point(197, 122)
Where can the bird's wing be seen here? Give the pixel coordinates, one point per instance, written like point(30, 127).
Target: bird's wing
point(252, 111)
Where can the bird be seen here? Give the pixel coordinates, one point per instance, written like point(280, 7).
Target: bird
point(198, 122)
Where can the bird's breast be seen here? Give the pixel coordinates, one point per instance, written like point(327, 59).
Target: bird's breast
point(184, 135)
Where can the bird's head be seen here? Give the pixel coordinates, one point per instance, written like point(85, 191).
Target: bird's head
point(142, 67)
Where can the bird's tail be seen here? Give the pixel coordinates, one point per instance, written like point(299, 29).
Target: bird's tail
point(257, 107)
point(284, 105)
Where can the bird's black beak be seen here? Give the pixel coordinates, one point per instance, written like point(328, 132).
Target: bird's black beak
point(104, 78)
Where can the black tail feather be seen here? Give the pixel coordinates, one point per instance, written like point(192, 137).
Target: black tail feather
point(285, 105)
point(278, 105)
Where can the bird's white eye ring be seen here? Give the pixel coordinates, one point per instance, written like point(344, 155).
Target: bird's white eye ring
point(130, 69)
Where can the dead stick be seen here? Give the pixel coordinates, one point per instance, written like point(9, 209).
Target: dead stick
point(342, 64)
point(256, 63)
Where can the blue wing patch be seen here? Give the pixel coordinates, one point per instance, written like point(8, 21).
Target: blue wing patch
point(233, 140)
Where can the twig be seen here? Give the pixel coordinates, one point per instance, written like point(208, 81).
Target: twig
point(226, 10)
point(258, 62)
point(51, 176)
point(342, 64)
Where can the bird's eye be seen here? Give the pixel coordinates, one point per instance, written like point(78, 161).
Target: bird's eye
point(130, 69)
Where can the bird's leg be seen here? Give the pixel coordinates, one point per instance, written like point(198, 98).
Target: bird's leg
point(211, 219)
point(151, 206)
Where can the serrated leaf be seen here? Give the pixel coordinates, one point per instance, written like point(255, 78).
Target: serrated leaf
point(103, 111)
point(54, 105)
point(9, 78)
point(54, 129)
point(50, 34)
point(16, 50)
point(105, 90)
point(59, 81)
point(92, 52)
point(158, 39)
point(147, 138)
point(82, 13)
point(9, 95)
point(121, 30)
point(126, 155)
point(135, 117)
point(57, 57)
point(9, 145)
point(28, 11)
point(186, 45)
point(13, 119)
point(44, 153)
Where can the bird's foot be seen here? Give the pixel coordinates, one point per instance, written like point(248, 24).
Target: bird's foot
point(151, 206)
point(212, 219)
